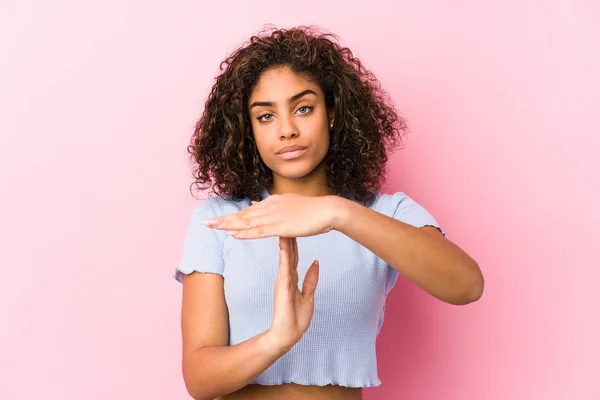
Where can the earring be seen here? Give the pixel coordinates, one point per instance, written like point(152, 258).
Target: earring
point(331, 125)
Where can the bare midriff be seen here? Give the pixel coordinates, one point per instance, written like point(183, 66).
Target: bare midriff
point(292, 391)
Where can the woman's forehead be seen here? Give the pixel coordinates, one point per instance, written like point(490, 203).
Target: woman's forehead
point(281, 83)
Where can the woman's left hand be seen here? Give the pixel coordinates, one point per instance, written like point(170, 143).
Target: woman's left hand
point(284, 215)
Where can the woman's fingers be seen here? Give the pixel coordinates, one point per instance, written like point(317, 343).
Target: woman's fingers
point(246, 219)
point(293, 309)
point(284, 259)
point(254, 233)
point(310, 281)
point(284, 243)
point(294, 245)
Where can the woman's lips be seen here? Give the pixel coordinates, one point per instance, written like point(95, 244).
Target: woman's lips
point(290, 155)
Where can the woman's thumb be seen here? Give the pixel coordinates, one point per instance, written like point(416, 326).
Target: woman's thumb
point(310, 280)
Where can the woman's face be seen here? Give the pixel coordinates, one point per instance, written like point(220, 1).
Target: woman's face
point(289, 122)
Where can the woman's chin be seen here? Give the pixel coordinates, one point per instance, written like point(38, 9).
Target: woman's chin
point(294, 172)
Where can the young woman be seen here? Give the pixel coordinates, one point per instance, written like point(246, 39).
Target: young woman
point(293, 142)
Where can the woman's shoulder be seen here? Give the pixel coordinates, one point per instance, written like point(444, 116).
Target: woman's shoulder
point(388, 201)
point(400, 206)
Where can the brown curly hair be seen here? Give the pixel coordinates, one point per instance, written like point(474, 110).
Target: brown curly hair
point(367, 125)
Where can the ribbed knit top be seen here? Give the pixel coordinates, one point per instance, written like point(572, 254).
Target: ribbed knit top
point(339, 346)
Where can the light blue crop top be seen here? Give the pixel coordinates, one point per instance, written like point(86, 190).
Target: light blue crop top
point(339, 346)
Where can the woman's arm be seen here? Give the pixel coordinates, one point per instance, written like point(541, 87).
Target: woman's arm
point(211, 368)
point(423, 255)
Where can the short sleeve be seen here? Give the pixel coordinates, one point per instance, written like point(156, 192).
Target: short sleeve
point(202, 249)
point(410, 212)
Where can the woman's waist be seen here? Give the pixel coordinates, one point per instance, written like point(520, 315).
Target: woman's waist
point(292, 391)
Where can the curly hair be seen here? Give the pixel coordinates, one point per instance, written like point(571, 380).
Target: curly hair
point(367, 126)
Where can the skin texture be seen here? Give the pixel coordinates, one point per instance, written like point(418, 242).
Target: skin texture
point(302, 121)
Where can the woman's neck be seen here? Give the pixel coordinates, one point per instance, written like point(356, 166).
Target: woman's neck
point(297, 188)
point(314, 184)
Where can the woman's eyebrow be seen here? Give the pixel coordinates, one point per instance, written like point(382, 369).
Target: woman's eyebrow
point(290, 100)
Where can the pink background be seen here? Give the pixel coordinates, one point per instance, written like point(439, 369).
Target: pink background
point(97, 103)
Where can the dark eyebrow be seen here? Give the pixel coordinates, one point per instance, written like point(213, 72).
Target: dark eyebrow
point(290, 100)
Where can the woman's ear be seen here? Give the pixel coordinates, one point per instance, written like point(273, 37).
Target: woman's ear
point(330, 118)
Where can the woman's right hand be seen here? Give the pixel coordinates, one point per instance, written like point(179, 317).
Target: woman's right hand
point(293, 309)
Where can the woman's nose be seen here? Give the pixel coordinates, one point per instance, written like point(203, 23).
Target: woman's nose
point(288, 129)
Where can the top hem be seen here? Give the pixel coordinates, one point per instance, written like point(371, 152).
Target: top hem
point(272, 383)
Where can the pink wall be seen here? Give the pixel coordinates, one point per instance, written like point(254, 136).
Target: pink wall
point(97, 102)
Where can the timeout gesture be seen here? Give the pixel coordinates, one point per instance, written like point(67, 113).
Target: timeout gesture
point(293, 308)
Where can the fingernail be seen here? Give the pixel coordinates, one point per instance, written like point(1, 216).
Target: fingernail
point(212, 222)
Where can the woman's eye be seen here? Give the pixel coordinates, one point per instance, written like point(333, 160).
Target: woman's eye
point(304, 110)
point(265, 117)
